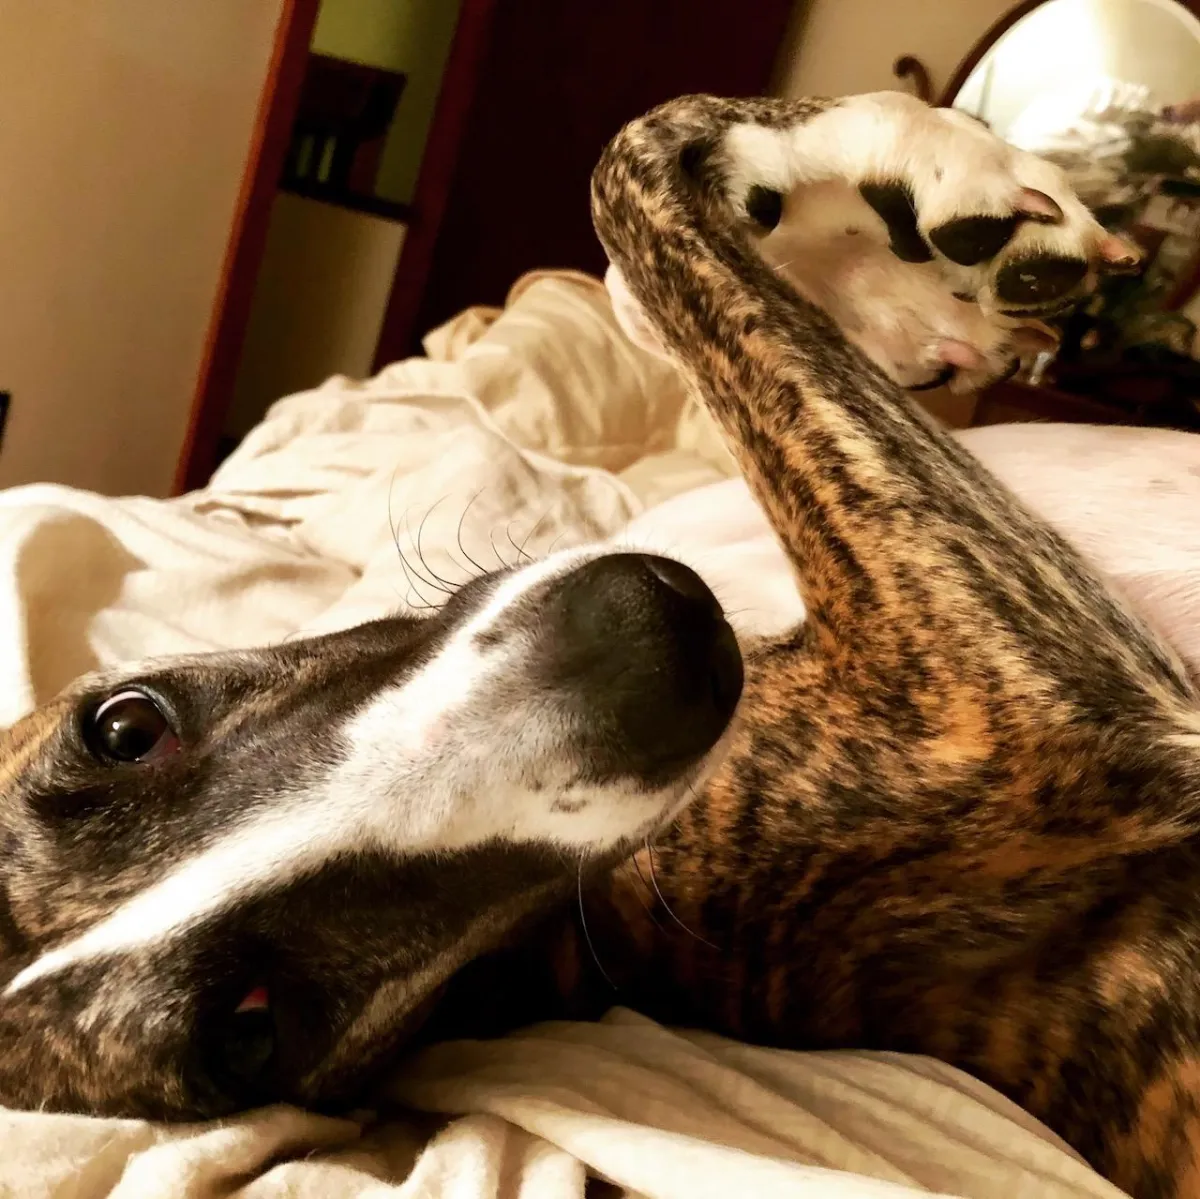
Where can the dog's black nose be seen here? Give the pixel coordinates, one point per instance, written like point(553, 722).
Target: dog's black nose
point(678, 578)
point(653, 669)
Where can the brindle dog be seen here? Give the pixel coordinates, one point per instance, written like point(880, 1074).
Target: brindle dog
point(960, 813)
point(957, 813)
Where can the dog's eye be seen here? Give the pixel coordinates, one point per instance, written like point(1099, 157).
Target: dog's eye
point(131, 727)
point(243, 1047)
point(764, 207)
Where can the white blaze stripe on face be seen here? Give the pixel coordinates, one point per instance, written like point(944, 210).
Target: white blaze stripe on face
point(279, 845)
point(478, 772)
point(409, 714)
point(389, 739)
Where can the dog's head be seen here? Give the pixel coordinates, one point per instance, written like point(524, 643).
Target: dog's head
point(235, 878)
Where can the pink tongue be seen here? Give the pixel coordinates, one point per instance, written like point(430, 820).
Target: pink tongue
point(256, 1000)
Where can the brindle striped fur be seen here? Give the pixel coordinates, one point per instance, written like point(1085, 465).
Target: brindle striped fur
point(961, 814)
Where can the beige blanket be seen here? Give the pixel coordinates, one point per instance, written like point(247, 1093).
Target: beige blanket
point(534, 427)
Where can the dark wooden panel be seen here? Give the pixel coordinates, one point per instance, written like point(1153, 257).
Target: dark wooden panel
point(435, 181)
point(342, 123)
point(1151, 401)
point(555, 80)
point(247, 241)
point(1017, 403)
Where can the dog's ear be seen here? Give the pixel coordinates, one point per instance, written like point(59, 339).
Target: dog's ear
point(630, 316)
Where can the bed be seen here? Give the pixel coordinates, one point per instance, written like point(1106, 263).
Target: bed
point(534, 426)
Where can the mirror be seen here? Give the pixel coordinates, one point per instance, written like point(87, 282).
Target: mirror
point(1110, 90)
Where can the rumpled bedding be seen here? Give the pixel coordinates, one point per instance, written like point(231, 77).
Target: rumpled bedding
point(523, 429)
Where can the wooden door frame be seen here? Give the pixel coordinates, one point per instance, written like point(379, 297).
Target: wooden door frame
point(435, 178)
point(226, 335)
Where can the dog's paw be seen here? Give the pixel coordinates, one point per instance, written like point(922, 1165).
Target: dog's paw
point(938, 248)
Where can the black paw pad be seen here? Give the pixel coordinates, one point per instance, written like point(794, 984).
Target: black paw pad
point(1038, 280)
point(893, 201)
point(764, 206)
point(970, 240)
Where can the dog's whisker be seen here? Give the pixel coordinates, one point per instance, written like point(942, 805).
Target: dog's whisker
point(536, 525)
point(638, 867)
point(520, 552)
point(662, 899)
point(492, 542)
point(408, 574)
point(424, 579)
point(462, 549)
point(412, 574)
point(632, 864)
point(446, 584)
point(587, 936)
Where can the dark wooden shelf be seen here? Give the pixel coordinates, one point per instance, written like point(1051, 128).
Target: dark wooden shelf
point(389, 210)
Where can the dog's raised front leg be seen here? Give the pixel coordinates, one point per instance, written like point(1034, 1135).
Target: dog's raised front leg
point(902, 541)
point(960, 813)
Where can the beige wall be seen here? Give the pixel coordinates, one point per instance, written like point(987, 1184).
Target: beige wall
point(844, 46)
point(318, 303)
point(124, 129)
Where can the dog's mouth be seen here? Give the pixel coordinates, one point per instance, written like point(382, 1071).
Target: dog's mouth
point(251, 1041)
point(250, 1060)
point(257, 999)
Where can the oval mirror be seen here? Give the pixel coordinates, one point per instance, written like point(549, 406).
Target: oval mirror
point(1110, 90)
point(1066, 61)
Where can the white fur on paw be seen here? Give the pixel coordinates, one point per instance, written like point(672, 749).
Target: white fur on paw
point(629, 314)
point(834, 249)
point(907, 317)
